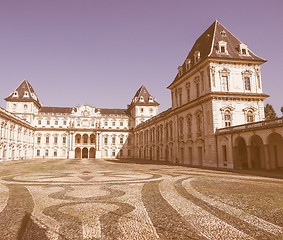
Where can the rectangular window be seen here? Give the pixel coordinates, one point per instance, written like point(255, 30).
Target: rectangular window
point(105, 123)
point(55, 153)
point(121, 124)
point(224, 152)
point(222, 49)
point(64, 140)
point(197, 89)
point(224, 83)
point(38, 140)
point(180, 98)
point(106, 140)
point(55, 140)
point(39, 122)
point(46, 152)
point(47, 140)
point(121, 153)
point(113, 124)
point(188, 95)
point(38, 153)
point(247, 83)
point(56, 122)
point(48, 122)
point(121, 140)
point(65, 122)
point(113, 153)
point(113, 140)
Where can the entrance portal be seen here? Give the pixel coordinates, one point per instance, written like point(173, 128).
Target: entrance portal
point(85, 153)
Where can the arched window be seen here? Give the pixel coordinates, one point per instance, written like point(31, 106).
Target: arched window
point(227, 118)
point(250, 117)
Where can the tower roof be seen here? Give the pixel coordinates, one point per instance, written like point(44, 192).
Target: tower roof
point(143, 97)
point(24, 93)
point(207, 45)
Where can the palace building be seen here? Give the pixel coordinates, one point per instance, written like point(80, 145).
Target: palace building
point(216, 119)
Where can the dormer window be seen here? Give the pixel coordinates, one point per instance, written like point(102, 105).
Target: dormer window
point(26, 94)
point(150, 99)
point(15, 94)
point(141, 99)
point(188, 64)
point(222, 47)
point(243, 48)
point(180, 71)
point(197, 56)
point(34, 96)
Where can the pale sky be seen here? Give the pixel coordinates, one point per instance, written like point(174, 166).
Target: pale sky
point(101, 52)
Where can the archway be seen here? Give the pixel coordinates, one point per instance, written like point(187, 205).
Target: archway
point(275, 147)
point(85, 139)
point(92, 139)
point(157, 154)
point(85, 153)
point(78, 139)
point(78, 153)
point(92, 153)
point(257, 152)
point(241, 154)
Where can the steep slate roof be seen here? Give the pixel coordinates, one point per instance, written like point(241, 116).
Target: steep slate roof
point(64, 110)
point(116, 111)
point(207, 45)
point(21, 89)
point(143, 92)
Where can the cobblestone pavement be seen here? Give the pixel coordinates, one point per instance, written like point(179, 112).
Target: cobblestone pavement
point(113, 199)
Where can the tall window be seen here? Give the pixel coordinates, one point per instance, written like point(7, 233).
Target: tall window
point(56, 122)
point(48, 122)
point(38, 153)
point(224, 83)
point(113, 140)
point(55, 140)
point(39, 122)
point(64, 140)
point(121, 140)
point(199, 123)
point(188, 94)
point(247, 83)
point(250, 117)
point(227, 118)
point(180, 96)
point(189, 124)
point(181, 127)
point(47, 140)
point(197, 89)
point(38, 140)
point(106, 140)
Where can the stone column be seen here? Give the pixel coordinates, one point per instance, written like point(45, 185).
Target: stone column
point(249, 155)
point(266, 156)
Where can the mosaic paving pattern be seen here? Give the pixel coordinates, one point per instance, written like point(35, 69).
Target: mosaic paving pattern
point(103, 199)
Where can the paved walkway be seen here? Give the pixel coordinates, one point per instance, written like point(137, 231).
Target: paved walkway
point(113, 199)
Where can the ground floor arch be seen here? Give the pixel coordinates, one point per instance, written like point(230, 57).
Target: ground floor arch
point(240, 154)
point(257, 152)
point(84, 153)
point(78, 153)
point(275, 150)
point(92, 153)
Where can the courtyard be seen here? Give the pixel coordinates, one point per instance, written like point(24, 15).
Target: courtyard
point(129, 199)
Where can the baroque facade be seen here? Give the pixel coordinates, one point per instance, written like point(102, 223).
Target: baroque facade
point(216, 118)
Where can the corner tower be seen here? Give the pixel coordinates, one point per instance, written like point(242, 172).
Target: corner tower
point(23, 101)
point(143, 107)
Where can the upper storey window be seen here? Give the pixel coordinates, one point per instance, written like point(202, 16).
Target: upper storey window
point(15, 94)
point(188, 64)
point(243, 49)
point(26, 94)
point(222, 47)
point(247, 80)
point(224, 79)
point(197, 56)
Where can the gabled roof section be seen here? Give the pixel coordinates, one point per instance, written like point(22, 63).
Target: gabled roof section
point(24, 93)
point(207, 46)
point(56, 110)
point(143, 97)
point(112, 111)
